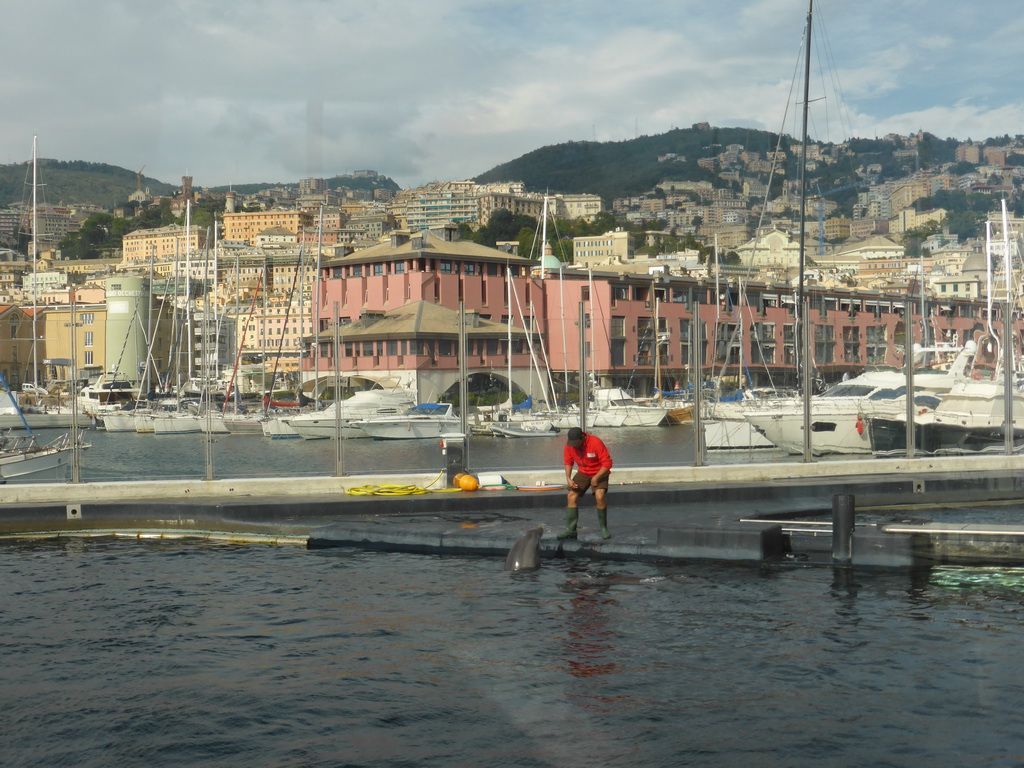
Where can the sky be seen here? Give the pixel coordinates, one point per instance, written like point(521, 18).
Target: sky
point(244, 91)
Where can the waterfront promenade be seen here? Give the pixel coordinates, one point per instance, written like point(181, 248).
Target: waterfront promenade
point(754, 512)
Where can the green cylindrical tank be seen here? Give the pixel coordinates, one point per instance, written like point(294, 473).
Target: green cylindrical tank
point(128, 302)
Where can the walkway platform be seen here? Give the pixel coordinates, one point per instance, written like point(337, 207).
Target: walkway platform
point(756, 514)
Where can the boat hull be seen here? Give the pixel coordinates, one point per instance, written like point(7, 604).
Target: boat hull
point(733, 435)
point(37, 464)
point(409, 430)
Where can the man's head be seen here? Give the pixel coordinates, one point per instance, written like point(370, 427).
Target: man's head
point(575, 438)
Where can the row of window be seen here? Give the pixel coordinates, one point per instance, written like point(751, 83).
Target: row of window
point(424, 347)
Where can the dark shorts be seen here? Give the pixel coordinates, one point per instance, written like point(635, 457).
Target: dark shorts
point(584, 482)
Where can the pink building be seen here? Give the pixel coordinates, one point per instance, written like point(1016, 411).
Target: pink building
point(398, 306)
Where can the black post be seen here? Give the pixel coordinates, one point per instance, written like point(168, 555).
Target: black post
point(843, 513)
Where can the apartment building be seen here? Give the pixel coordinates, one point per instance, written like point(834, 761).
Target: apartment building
point(436, 204)
point(246, 227)
point(580, 206)
point(16, 345)
point(163, 244)
point(611, 246)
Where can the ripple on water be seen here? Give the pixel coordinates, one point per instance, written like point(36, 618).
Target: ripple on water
point(188, 653)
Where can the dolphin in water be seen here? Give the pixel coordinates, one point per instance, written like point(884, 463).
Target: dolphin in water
point(525, 553)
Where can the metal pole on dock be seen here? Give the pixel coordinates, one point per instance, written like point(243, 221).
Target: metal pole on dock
point(697, 383)
point(584, 392)
point(76, 453)
point(338, 454)
point(464, 384)
point(204, 371)
point(843, 514)
point(1008, 372)
point(908, 361)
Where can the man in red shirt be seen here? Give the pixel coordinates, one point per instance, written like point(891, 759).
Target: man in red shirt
point(594, 464)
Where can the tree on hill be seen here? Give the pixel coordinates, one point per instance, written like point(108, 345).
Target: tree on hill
point(100, 233)
point(502, 226)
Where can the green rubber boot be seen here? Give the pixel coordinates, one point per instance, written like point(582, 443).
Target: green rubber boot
point(602, 518)
point(572, 516)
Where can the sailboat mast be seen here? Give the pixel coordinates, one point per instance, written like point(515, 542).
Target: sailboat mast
point(802, 316)
point(188, 285)
point(35, 254)
point(316, 309)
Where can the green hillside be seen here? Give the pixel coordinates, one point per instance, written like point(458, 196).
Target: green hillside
point(335, 182)
point(76, 181)
point(626, 168)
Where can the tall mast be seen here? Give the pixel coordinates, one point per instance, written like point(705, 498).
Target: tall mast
point(315, 293)
point(803, 316)
point(188, 286)
point(35, 254)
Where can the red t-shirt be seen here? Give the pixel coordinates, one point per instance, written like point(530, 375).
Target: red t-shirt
point(589, 457)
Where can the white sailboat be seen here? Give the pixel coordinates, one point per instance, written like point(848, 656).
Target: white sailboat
point(23, 458)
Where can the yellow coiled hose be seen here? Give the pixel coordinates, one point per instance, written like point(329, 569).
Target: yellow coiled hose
point(398, 490)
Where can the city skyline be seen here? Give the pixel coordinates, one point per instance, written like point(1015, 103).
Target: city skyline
point(273, 92)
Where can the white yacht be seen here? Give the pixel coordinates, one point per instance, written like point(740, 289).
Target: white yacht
point(840, 415)
point(421, 421)
point(363, 405)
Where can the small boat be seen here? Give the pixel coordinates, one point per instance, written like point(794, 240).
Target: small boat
point(614, 400)
point(278, 428)
point(522, 428)
point(426, 420)
point(22, 457)
point(239, 423)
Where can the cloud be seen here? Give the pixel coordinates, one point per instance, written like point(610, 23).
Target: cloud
point(264, 90)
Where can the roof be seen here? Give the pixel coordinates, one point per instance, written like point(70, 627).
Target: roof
point(432, 245)
point(273, 231)
point(875, 243)
point(420, 318)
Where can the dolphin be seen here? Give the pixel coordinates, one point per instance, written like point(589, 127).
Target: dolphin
point(525, 553)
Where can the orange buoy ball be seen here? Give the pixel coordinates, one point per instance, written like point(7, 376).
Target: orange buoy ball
point(457, 479)
point(468, 483)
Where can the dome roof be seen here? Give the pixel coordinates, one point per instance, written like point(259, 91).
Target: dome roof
point(976, 262)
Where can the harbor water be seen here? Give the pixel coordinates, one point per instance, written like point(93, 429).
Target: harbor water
point(132, 456)
point(170, 653)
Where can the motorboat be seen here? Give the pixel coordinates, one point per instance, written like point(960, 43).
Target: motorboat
point(426, 420)
point(363, 405)
point(109, 392)
point(969, 418)
point(840, 415)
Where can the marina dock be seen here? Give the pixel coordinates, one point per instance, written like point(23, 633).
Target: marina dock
point(757, 513)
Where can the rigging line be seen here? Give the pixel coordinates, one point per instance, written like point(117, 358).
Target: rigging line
point(842, 108)
point(284, 329)
point(529, 331)
point(241, 343)
point(150, 360)
point(775, 159)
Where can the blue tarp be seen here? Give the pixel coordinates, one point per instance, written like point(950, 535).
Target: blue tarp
point(526, 405)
